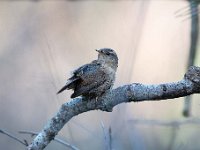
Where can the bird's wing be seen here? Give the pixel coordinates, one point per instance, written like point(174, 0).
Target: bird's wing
point(92, 75)
point(87, 68)
point(80, 75)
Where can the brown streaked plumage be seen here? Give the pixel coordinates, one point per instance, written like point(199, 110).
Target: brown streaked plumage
point(95, 78)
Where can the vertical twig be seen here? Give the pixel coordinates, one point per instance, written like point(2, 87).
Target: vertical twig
point(107, 137)
point(173, 138)
point(110, 138)
point(193, 48)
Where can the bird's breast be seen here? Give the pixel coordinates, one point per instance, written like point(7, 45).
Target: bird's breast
point(109, 71)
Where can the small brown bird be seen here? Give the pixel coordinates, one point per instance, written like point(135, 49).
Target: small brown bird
point(95, 78)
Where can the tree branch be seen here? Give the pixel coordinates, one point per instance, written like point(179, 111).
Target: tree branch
point(55, 139)
point(135, 92)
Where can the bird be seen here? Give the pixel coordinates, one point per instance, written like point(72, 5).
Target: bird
point(94, 79)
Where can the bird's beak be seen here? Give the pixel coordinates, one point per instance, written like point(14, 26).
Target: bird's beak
point(98, 50)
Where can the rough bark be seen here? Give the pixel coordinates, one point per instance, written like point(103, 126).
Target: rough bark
point(135, 92)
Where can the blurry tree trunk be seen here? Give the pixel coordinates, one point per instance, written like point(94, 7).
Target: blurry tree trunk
point(193, 48)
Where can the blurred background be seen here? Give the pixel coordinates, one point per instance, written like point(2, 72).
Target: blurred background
point(43, 41)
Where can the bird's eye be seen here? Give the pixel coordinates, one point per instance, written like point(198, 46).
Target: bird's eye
point(107, 53)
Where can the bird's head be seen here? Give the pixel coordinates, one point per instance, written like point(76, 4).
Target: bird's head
point(108, 56)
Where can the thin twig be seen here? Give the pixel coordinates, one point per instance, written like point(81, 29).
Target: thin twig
point(55, 139)
point(186, 8)
point(105, 136)
point(174, 123)
point(110, 138)
point(13, 137)
point(191, 12)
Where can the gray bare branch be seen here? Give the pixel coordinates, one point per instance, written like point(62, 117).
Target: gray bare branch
point(135, 92)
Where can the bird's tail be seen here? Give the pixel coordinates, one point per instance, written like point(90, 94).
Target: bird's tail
point(62, 89)
point(70, 84)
